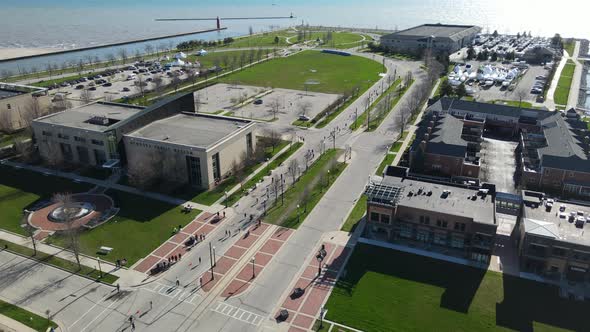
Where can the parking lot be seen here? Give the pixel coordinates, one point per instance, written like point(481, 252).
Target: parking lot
point(291, 105)
point(119, 84)
point(223, 97)
point(498, 92)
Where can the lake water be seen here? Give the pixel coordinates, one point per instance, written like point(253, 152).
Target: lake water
point(74, 24)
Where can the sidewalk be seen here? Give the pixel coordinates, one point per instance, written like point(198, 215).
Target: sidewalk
point(550, 102)
point(91, 262)
point(576, 80)
point(8, 324)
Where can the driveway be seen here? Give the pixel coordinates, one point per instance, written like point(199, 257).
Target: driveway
point(499, 163)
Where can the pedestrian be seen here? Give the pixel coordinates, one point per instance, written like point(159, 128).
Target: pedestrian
point(179, 256)
point(244, 215)
point(132, 326)
point(169, 259)
point(217, 214)
point(229, 232)
point(151, 305)
point(256, 200)
point(226, 232)
point(177, 282)
point(130, 319)
point(199, 260)
point(201, 281)
point(224, 214)
point(179, 227)
point(174, 230)
point(118, 288)
point(118, 263)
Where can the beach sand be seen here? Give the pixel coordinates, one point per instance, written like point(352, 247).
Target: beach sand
point(9, 53)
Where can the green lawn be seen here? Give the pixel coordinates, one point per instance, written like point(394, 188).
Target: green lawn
point(569, 47)
point(362, 118)
point(335, 73)
point(233, 198)
point(220, 57)
point(9, 139)
point(358, 211)
point(141, 226)
point(25, 317)
point(378, 119)
point(21, 188)
point(340, 40)
point(514, 103)
point(317, 180)
point(265, 40)
point(388, 290)
point(562, 91)
point(386, 162)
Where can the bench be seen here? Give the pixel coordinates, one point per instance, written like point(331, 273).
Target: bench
point(105, 250)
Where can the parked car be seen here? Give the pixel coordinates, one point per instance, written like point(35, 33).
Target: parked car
point(80, 87)
point(92, 88)
point(258, 102)
point(303, 117)
point(126, 89)
point(108, 84)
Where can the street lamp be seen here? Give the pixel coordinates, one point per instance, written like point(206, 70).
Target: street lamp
point(99, 267)
point(297, 213)
point(328, 177)
point(253, 270)
point(214, 260)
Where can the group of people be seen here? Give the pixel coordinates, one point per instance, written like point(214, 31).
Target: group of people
point(121, 262)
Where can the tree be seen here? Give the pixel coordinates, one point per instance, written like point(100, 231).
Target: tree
point(276, 39)
point(149, 49)
point(445, 88)
point(68, 206)
point(461, 91)
point(140, 84)
point(272, 138)
point(192, 75)
point(304, 107)
point(293, 169)
point(111, 58)
point(30, 230)
point(556, 41)
point(250, 30)
point(86, 96)
point(175, 81)
point(275, 106)
point(495, 33)
point(158, 84)
point(308, 157)
point(123, 55)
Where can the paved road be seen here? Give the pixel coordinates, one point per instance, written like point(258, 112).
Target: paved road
point(186, 307)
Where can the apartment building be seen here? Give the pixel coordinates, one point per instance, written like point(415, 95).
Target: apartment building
point(552, 239)
point(454, 220)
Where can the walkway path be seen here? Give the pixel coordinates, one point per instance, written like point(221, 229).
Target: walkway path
point(576, 80)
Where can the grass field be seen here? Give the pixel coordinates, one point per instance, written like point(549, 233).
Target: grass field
point(340, 40)
point(564, 84)
point(317, 181)
point(25, 317)
point(233, 198)
point(569, 47)
point(9, 139)
point(335, 73)
point(265, 40)
point(141, 226)
point(387, 290)
point(220, 58)
point(21, 188)
point(386, 162)
point(358, 211)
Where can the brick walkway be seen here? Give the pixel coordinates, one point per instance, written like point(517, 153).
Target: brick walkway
point(262, 257)
point(304, 310)
point(204, 224)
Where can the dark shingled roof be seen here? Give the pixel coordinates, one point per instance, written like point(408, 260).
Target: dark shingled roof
point(445, 138)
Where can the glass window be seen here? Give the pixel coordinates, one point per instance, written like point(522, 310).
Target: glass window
point(422, 235)
point(406, 231)
point(457, 242)
point(97, 142)
point(374, 216)
point(193, 166)
point(561, 252)
point(440, 239)
point(384, 219)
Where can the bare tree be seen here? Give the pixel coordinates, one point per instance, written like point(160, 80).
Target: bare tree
point(86, 96)
point(123, 55)
point(149, 49)
point(175, 81)
point(304, 107)
point(308, 157)
point(158, 84)
point(250, 30)
point(275, 106)
point(111, 58)
point(272, 138)
point(293, 169)
point(140, 84)
point(67, 203)
point(30, 230)
point(306, 196)
point(61, 105)
point(192, 75)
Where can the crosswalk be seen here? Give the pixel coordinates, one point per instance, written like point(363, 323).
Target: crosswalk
point(187, 296)
point(237, 313)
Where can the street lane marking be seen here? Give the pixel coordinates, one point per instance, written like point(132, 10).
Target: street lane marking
point(237, 313)
point(173, 292)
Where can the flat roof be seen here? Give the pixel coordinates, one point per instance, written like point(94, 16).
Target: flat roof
point(8, 90)
point(557, 224)
point(437, 30)
point(199, 130)
point(82, 117)
point(459, 202)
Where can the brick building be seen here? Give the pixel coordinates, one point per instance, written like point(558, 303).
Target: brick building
point(454, 220)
